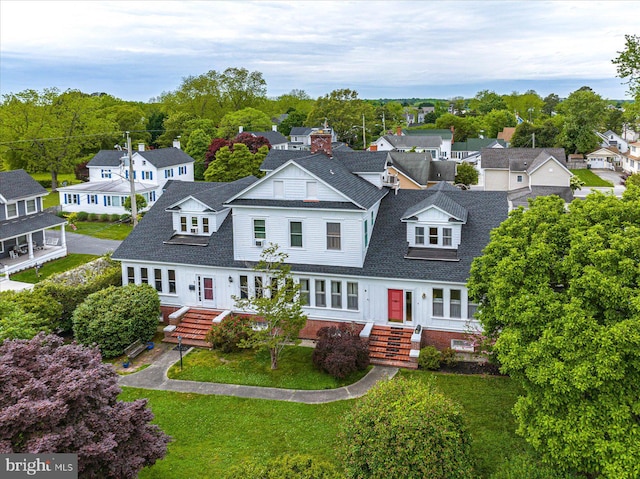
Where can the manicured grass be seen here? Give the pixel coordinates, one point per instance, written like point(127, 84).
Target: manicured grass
point(295, 369)
point(212, 433)
point(52, 199)
point(487, 403)
point(98, 229)
point(53, 267)
point(68, 177)
point(590, 178)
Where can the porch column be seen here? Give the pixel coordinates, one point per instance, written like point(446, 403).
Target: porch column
point(30, 244)
point(63, 237)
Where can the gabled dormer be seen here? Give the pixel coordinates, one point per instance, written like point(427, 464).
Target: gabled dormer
point(434, 227)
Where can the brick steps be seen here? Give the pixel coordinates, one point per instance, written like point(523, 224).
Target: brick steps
point(193, 328)
point(390, 346)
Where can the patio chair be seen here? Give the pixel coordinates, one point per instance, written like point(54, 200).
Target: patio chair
point(13, 254)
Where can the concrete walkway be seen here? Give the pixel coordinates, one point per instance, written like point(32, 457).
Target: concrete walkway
point(155, 377)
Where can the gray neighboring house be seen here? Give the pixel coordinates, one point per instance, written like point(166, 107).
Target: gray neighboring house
point(28, 234)
point(363, 254)
point(276, 139)
point(526, 173)
point(419, 170)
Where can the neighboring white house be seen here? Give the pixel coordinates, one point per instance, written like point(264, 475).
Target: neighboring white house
point(526, 173)
point(109, 183)
point(362, 254)
point(611, 138)
point(28, 235)
point(631, 161)
point(301, 137)
point(605, 158)
point(436, 142)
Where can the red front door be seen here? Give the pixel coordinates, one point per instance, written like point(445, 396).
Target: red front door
point(208, 288)
point(396, 307)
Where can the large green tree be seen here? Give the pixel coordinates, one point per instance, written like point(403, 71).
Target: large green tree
point(546, 133)
point(628, 64)
point(231, 165)
point(277, 307)
point(486, 101)
point(344, 112)
point(249, 119)
point(584, 112)
point(495, 121)
point(559, 293)
point(50, 131)
point(197, 147)
point(528, 105)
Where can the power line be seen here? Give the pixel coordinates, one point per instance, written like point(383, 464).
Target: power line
point(31, 140)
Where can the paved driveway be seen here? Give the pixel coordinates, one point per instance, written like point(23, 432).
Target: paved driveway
point(609, 175)
point(77, 243)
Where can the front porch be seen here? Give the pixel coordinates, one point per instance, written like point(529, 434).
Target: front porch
point(21, 262)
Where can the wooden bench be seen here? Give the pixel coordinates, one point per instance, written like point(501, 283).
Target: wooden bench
point(135, 349)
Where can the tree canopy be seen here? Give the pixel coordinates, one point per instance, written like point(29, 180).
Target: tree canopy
point(628, 64)
point(558, 292)
point(233, 164)
point(584, 112)
point(57, 397)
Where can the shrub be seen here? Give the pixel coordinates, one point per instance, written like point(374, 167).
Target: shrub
point(92, 217)
point(448, 357)
point(104, 217)
point(125, 218)
point(45, 183)
point(59, 398)
point(116, 317)
point(429, 358)
point(288, 466)
point(408, 429)
point(41, 313)
point(71, 288)
point(114, 217)
point(83, 216)
point(527, 465)
point(340, 351)
point(229, 333)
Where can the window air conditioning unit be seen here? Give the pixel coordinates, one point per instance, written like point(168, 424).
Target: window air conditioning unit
point(194, 230)
point(260, 243)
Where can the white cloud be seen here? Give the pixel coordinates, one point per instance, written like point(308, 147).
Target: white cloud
point(384, 43)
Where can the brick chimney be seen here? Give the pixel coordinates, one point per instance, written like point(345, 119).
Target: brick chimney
point(176, 143)
point(140, 146)
point(321, 141)
point(452, 132)
point(398, 131)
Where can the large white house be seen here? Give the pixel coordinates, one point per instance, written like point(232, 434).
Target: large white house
point(109, 183)
point(631, 161)
point(28, 235)
point(361, 252)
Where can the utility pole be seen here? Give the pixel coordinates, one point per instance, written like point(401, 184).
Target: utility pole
point(364, 135)
point(134, 207)
point(533, 139)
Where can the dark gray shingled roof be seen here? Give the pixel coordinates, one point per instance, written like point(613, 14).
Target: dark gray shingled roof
point(421, 168)
point(17, 184)
point(274, 137)
point(521, 196)
point(414, 141)
point(441, 200)
point(300, 130)
point(476, 144)
point(27, 224)
point(516, 157)
point(216, 197)
point(387, 249)
point(354, 161)
point(160, 158)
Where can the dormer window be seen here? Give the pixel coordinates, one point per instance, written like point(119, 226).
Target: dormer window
point(31, 206)
point(12, 210)
point(433, 236)
point(446, 237)
point(420, 235)
point(194, 225)
point(183, 224)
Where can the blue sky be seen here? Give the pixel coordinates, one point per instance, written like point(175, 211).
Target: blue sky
point(135, 50)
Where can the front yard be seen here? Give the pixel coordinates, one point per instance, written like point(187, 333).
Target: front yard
point(61, 265)
point(213, 433)
point(251, 368)
point(590, 178)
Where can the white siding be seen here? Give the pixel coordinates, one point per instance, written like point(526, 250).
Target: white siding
point(373, 178)
point(372, 295)
point(295, 187)
point(314, 238)
point(496, 180)
point(550, 174)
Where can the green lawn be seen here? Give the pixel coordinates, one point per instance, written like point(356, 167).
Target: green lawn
point(212, 433)
point(52, 199)
point(53, 267)
point(106, 230)
point(295, 369)
point(590, 178)
point(68, 177)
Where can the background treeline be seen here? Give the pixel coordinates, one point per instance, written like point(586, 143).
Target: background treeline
point(55, 131)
